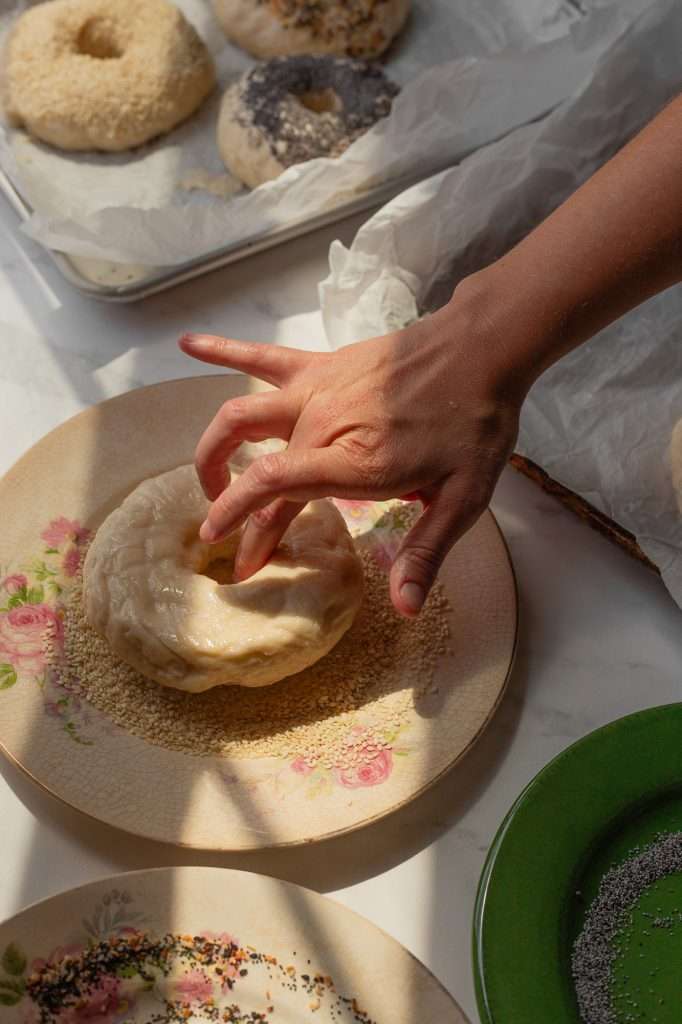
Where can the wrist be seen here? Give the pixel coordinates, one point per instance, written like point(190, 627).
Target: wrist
point(507, 344)
point(523, 326)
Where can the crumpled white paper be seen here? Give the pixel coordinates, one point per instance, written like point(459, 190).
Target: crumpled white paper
point(600, 421)
point(522, 58)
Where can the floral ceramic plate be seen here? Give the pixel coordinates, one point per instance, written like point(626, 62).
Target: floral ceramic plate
point(57, 495)
point(189, 945)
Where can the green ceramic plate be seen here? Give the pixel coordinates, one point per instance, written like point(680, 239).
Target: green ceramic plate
point(613, 790)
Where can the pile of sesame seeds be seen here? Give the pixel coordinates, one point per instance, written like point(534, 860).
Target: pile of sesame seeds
point(342, 711)
point(605, 997)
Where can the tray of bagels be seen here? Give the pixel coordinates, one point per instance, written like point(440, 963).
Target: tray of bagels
point(146, 143)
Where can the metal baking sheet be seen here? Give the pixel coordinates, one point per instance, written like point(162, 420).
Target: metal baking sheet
point(438, 33)
point(117, 282)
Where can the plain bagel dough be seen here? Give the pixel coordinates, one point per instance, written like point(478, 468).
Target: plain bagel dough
point(104, 74)
point(144, 590)
point(281, 28)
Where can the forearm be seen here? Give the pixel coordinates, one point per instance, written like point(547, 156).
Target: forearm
point(616, 242)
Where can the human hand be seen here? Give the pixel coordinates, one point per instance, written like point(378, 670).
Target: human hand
point(431, 412)
point(423, 413)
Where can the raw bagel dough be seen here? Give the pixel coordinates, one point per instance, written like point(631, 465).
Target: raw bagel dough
point(280, 28)
point(144, 590)
point(104, 74)
point(269, 120)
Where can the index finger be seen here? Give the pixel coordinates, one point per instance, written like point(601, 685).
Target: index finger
point(249, 418)
point(275, 364)
point(298, 476)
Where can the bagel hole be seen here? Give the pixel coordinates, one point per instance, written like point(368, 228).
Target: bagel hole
point(221, 570)
point(96, 39)
point(220, 558)
point(320, 101)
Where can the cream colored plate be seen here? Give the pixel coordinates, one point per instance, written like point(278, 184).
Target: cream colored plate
point(245, 919)
point(68, 483)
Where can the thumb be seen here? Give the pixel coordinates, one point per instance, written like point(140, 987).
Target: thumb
point(448, 515)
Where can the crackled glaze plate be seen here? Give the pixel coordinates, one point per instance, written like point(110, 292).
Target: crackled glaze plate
point(190, 945)
point(52, 501)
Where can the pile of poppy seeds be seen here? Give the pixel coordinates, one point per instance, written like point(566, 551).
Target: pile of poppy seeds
point(606, 994)
point(377, 675)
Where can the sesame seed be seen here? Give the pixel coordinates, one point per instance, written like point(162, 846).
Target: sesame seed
point(369, 682)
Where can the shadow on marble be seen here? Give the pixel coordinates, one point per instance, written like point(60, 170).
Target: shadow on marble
point(277, 284)
point(92, 350)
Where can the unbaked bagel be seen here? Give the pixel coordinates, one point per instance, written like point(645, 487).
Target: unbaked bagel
point(104, 74)
point(146, 589)
point(293, 109)
point(280, 28)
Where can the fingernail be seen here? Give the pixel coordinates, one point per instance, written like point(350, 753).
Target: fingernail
point(208, 533)
point(413, 595)
point(190, 339)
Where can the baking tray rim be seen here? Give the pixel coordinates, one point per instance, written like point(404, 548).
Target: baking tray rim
point(162, 278)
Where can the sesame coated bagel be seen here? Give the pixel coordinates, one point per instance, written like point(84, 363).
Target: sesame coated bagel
point(293, 109)
point(104, 74)
point(167, 604)
point(280, 28)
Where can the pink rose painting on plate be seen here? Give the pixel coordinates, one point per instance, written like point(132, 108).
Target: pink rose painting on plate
point(370, 773)
point(71, 562)
point(381, 525)
point(30, 616)
point(194, 987)
point(22, 631)
point(13, 584)
point(105, 1004)
point(61, 530)
point(374, 766)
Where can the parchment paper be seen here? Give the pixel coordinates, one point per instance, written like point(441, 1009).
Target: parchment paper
point(600, 421)
point(515, 60)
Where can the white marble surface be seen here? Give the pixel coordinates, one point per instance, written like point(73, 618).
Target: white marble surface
point(599, 635)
